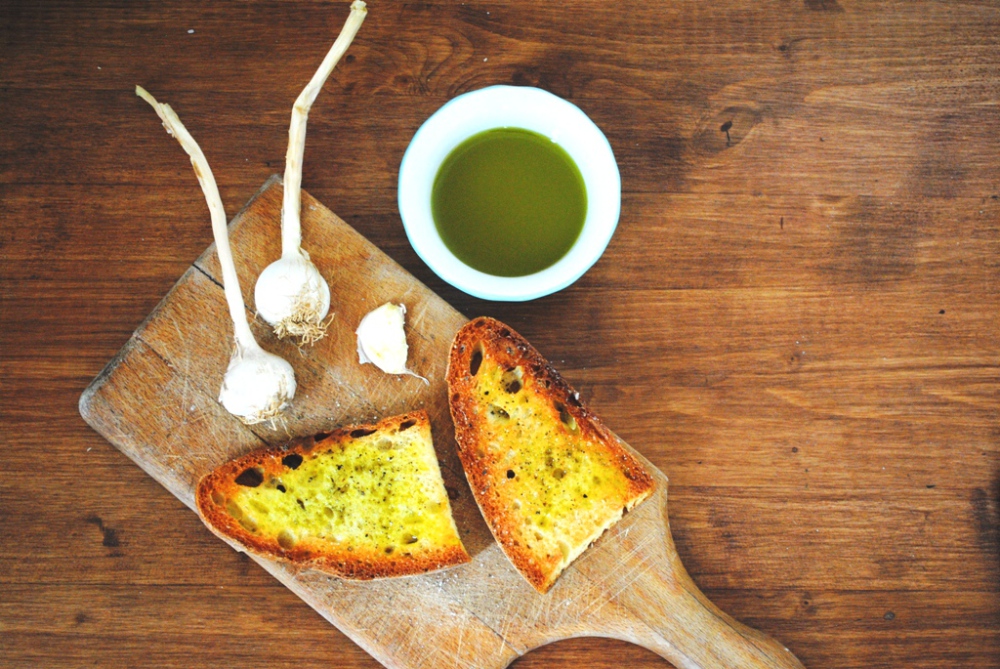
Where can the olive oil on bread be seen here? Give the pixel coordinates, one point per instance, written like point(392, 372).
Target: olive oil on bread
point(549, 477)
point(365, 501)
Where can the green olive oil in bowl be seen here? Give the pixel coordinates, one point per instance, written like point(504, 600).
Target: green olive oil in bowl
point(509, 193)
point(509, 202)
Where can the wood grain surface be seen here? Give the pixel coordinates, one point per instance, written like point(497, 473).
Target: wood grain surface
point(797, 319)
point(156, 402)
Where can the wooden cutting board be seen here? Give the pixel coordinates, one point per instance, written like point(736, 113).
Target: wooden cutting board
point(156, 402)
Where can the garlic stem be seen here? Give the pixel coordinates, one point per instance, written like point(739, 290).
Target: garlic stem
point(291, 232)
point(231, 285)
point(291, 293)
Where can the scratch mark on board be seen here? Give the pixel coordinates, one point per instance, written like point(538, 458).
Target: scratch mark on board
point(185, 372)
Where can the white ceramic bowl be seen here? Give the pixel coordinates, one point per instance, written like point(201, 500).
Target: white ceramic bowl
point(518, 107)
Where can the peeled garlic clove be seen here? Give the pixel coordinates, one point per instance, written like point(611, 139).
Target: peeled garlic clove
point(382, 341)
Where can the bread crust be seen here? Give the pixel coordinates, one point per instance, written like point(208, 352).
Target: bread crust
point(358, 562)
point(509, 349)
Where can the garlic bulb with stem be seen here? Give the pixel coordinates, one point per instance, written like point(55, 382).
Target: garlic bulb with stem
point(257, 385)
point(291, 294)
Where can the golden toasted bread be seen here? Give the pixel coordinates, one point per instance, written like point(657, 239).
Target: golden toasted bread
point(362, 502)
point(549, 477)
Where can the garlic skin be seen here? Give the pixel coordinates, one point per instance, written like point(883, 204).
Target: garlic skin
point(294, 299)
point(257, 386)
point(382, 341)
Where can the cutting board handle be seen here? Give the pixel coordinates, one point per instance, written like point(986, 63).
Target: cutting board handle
point(687, 629)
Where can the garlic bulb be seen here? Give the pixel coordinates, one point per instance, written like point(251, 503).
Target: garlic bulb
point(382, 341)
point(294, 298)
point(291, 294)
point(257, 385)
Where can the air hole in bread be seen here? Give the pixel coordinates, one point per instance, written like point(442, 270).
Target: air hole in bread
point(248, 524)
point(286, 540)
point(504, 332)
point(410, 539)
point(301, 503)
point(565, 416)
point(512, 380)
point(389, 550)
point(250, 478)
point(320, 436)
point(498, 413)
point(362, 432)
point(292, 461)
point(218, 498)
point(511, 474)
point(559, 473)
point(281, 487)
point(475, 361)
point(259, 507)
point(234, 509)
point(385, 445)
point(407, 425)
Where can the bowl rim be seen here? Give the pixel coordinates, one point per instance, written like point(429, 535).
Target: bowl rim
point(536, 110)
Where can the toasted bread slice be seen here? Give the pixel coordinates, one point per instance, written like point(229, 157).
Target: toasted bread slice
point(549, 477)
point(363, 502)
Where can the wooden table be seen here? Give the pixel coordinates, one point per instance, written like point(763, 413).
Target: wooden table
point(798, 319)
